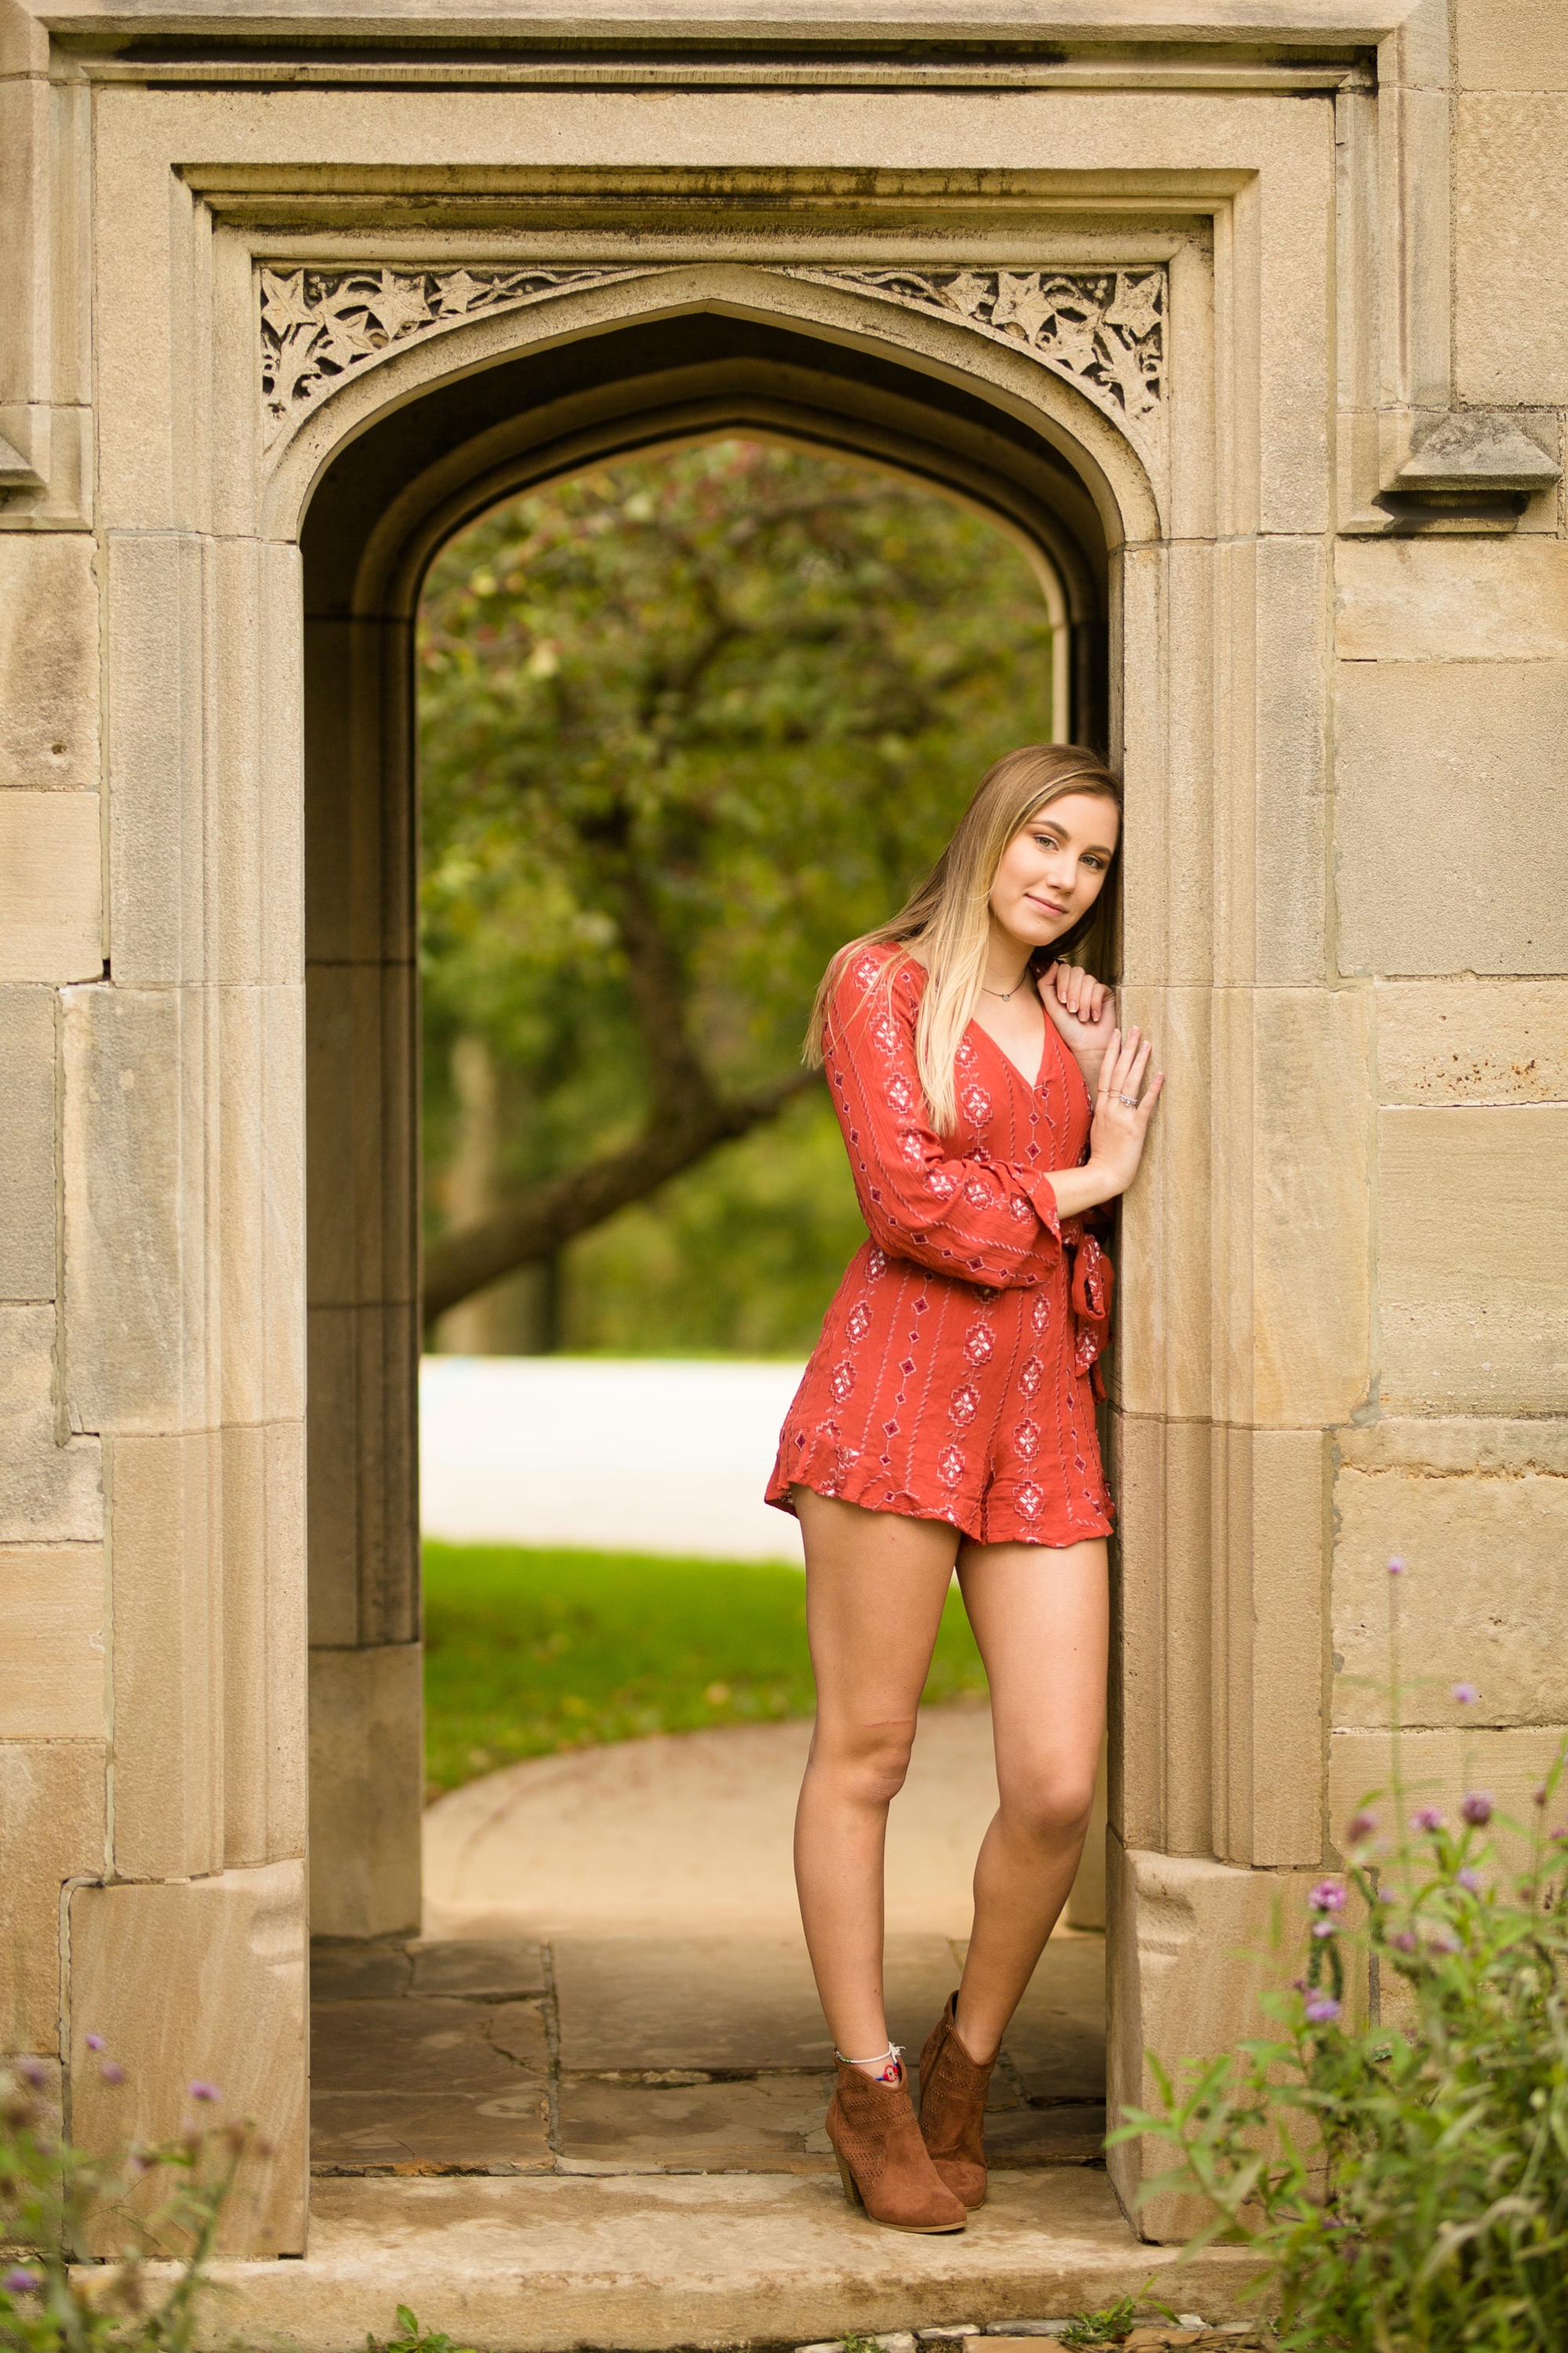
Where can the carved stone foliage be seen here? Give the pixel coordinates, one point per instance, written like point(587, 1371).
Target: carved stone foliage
point(1104, 329)
point(318, 326)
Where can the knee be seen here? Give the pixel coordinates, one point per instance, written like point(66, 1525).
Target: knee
point(867, 1761)
point(1052, 1809)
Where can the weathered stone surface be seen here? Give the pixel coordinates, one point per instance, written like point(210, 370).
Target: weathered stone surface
point(1162, 1750)
point(1473, 1258)
point(228, 1957)
point(51, 1662)
point(648, 2003)
point(1188, 1956)
point(136, 1207)
point(427, 2050)
point(1303, 1183)
point(775, 2258)
point(49, 661)
point(1472, 1041)
point(773, 2125)
point(1510, 316)
point(1435, 759)
point(1512, 45)
point(478, 1967)
point(351, 1968)
point(28, 1164)
point(1055, 2040)
point(1268, 1605)
point(367, 1789)
point(167, 1649)
point(1484, 1602)
point(266, 1797)
point(52, 1803)
point(1439, 1768)
point(51, 859)
point(157, 889)
point(1422, 600)
point(49, 1492)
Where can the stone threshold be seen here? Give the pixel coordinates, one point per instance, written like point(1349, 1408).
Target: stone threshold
point(644, 2263)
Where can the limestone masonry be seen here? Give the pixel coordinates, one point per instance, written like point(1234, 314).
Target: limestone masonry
point(1248, 317)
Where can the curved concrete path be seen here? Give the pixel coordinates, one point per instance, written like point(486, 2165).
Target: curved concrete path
point(690, 1834)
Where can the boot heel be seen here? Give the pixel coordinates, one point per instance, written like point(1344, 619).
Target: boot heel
point(851, 2186)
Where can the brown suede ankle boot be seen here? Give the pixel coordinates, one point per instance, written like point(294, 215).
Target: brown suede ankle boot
point(882, 2159)
point(952, 2109)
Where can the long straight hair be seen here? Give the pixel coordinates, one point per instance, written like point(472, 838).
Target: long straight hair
point(949, 916)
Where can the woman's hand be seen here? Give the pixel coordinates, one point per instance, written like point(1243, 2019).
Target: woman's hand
point(1123, 1107)
point(1084, 1011)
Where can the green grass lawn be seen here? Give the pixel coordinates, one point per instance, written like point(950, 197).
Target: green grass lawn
point(528, 1653)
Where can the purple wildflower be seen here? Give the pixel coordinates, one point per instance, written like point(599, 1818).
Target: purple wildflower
point(1322, 2009)
point(1403, 1943)
point(1396, 1566)
point(1324, 1927)
point(22, 2283)
point(1388, 1894)
point(1465, 1693)
point(33, 2072)
point(1476, 1808)
point(1540, 1794)
point(1361, 1826)
point(94, 2041)
point(1470, 1881)
point(1329, 1895)
point(1444, 1941)
point(1426, 1817)
point(200, 2091)
point(111, 2071)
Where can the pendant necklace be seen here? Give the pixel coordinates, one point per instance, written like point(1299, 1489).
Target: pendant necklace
point(1006, 994)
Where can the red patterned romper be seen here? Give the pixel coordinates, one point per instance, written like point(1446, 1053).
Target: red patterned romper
point(955, 1375)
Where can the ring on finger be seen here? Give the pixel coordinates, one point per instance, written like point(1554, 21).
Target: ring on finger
point(1130, 1101)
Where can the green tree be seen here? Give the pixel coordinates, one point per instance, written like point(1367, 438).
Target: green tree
point(686, 725)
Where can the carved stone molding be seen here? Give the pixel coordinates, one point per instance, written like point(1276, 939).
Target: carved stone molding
point(318, 326)
point(1103, 330)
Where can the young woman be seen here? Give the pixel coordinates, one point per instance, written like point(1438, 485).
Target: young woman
point(991, 1108)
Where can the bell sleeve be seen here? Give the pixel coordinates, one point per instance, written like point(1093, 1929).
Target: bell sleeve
point(984, 1220)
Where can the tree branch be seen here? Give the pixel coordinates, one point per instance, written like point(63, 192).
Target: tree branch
point(549, 1214)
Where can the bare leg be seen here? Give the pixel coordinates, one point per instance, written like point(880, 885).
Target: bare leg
point(875, 1587)
point(1041, 1618)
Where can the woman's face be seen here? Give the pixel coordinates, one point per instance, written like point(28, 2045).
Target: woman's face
point(1052, 872)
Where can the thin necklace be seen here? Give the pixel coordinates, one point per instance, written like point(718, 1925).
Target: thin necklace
point(1006, 994)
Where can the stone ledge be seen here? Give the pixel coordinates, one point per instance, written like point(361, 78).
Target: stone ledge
point(542, 2265)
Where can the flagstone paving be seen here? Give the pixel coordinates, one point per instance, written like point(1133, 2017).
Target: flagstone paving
point(594, 1998)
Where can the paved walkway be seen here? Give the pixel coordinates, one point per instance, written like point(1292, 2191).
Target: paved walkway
point(613, 1974)
point(585, 2109)
point(625, 1454)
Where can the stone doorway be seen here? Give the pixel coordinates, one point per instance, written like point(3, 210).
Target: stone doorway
point(382, 507)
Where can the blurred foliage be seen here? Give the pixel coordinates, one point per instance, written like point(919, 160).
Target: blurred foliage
point(740, 695)
point(527, 1652)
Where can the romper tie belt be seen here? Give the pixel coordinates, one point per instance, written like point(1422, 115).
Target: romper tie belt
point(1093, 1281)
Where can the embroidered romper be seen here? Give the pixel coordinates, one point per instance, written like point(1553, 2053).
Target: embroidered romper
point(956, 1376)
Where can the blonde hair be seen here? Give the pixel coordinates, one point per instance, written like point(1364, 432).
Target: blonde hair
point(950, 915)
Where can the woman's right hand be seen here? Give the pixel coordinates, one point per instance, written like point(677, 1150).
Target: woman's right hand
point(1123, 1107)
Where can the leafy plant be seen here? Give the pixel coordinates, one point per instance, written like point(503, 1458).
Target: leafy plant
point(58, 2204)
point(1114, 2323)
point(409, 2338)
point(1403, 2177)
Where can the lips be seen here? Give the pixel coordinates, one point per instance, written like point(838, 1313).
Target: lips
point(1046, 906)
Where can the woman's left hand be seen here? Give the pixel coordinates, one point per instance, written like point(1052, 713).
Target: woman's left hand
point(1084, 1011)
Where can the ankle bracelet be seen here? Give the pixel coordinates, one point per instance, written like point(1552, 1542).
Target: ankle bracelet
point(893, 2055)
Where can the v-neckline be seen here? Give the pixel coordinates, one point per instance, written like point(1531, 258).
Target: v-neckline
point(1033, 1085)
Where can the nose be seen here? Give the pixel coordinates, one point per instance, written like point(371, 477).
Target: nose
point(1061, 873)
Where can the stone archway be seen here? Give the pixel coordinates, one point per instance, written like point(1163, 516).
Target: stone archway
point(382, 505)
